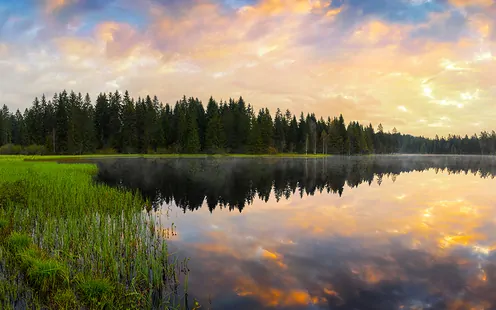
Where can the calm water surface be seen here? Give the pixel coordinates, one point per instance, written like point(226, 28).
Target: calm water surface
point(392, 232)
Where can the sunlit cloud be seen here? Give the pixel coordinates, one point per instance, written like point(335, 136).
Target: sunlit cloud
point(367, 61)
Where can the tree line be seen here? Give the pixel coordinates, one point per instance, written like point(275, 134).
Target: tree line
point(71, 123)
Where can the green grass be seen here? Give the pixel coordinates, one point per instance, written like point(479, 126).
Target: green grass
point(57, 224)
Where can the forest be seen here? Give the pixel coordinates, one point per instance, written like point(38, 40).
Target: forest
point(70, 123)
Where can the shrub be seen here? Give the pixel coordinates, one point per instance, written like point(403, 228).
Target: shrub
point(272, 150)
point(163, 150)
point(35, 150)
point(107, 151)
point(10, 149)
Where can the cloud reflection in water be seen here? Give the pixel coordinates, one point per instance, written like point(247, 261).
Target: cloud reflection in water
point(424, 241)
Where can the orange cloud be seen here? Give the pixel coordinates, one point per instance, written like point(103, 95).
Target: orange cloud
point(483, 3)
point(376, 31)
point(4, 49)
point(290, 6)
point(54, 5)
point(272, 297)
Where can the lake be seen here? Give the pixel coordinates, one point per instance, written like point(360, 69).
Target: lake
point(378, 232)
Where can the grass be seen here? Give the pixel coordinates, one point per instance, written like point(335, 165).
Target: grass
point(68, 242)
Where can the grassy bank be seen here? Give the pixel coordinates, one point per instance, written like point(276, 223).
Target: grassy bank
point(93, 156)
point(69, 243)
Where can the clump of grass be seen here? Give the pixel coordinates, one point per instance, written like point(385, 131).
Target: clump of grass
point(13, 192)
point(96, 291)
point(17, 242)
point(4, 229)
point(65, 299)
point(28, 257)
point(47, 274)
point(3, 224)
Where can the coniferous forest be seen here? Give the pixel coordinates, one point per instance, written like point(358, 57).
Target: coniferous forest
point(71, 123)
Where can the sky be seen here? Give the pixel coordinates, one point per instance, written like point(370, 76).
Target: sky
point(425, 67)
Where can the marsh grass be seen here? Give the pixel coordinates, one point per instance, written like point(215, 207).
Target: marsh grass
point(57, 224)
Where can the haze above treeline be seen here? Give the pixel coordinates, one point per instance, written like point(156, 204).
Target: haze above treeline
point(71, 123)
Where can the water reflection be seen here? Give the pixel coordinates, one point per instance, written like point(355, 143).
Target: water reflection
point(423, 240)
point(235, 183)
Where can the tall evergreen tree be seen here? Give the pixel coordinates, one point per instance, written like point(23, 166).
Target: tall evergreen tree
point(129, 125)
point(61, 122)
point(102, 121)
point(214, 137)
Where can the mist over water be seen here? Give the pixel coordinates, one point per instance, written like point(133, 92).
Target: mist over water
point(378, 232)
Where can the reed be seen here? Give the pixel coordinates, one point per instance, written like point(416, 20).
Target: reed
point(68, 242)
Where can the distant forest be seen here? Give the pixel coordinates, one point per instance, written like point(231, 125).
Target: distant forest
point(70, 123)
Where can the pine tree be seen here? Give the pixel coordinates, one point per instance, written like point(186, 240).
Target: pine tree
point(214, 131)
point(129, 125)
point(343, 135)
point(293, 135)
point(87, 123)
point(193, 138)
point(279, 131)
point(266, 129)
point(114, 119)
point(102, 121)
point(255, 142)
point(61, 123)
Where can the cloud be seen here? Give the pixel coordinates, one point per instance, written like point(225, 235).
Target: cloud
point(475, 3)
point(390, 10)
point(347, 57)
point(448, 27)
point(65, 10)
